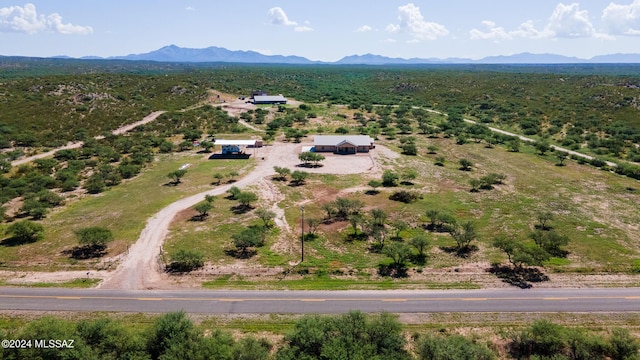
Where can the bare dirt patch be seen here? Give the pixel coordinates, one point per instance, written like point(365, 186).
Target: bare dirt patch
point(361, 163)
point(184, 215)
point(271, 196)
point(237, 107)
point(29, 278)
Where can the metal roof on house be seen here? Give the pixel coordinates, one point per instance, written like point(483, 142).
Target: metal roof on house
point(335, 140)
point(235, 142)
point(269, 98)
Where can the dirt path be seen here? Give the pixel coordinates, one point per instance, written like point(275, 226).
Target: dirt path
point(121, 130)
point(270, 194)
point(140, 269)
point(147, 119)
point(527, 139)
point(246, 124)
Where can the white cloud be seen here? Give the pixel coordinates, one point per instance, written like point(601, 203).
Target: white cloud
point(26, 20)
point(279, 17)
point(190, 8)
point(412, 22)
point(568, 21)
point(392, 28)
point(622, 19)
point(528, 30)
point(492, 32)
point(364, 28)
point(498, 33)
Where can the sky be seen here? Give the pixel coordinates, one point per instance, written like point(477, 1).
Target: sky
point(322, 30)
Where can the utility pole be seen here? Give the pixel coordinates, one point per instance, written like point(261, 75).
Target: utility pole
point(302, 241)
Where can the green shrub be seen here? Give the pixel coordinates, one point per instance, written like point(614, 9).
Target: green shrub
point(250, 348)
point(25, 231)
point(405, 196)
point(389, 178)
point(127, 171)
point(186, 260)
point(173, 336)
point(350, 336)
point(452, 347)
point(623, 345)
point(252, 236)
point(410, 148)
point(94, 236)
point(51, 328)
point(110, 339)
point(582, 345)
point(95, 184)
point(342, 130)
point(542, 338)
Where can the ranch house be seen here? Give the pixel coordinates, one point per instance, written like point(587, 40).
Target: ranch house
point(342, 144)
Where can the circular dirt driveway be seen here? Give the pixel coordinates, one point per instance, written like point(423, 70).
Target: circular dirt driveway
point(286, 155)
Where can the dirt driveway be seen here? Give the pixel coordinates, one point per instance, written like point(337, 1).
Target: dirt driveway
point(333, 163)
point(140, 268)
point(119, 131)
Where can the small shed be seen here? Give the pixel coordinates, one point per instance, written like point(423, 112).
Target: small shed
point(234, 147)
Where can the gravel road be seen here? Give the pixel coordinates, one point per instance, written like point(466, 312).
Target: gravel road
point(140, 268)
point(121, 130)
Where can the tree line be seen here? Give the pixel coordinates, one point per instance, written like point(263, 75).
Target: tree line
point(349, 336)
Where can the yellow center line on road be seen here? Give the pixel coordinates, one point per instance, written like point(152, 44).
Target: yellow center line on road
point(67, 297)
point(533, 298)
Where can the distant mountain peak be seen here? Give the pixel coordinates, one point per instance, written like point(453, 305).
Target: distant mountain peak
point(175, 53)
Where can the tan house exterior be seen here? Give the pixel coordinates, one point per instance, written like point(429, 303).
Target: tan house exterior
point(342, 144)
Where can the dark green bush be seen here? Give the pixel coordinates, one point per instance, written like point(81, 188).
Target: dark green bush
point(404, 196)
point(452, 347)
point(186, 260)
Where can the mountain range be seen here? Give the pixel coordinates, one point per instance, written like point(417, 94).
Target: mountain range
point(173, 53)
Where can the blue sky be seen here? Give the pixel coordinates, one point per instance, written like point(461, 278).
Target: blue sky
point(322, 30)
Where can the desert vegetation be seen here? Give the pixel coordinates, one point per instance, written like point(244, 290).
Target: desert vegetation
point(531, 100)
point(176, 335)
point(478, 184)
point(445, 203)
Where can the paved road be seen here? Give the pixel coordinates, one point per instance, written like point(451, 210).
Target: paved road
point(299, 302)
